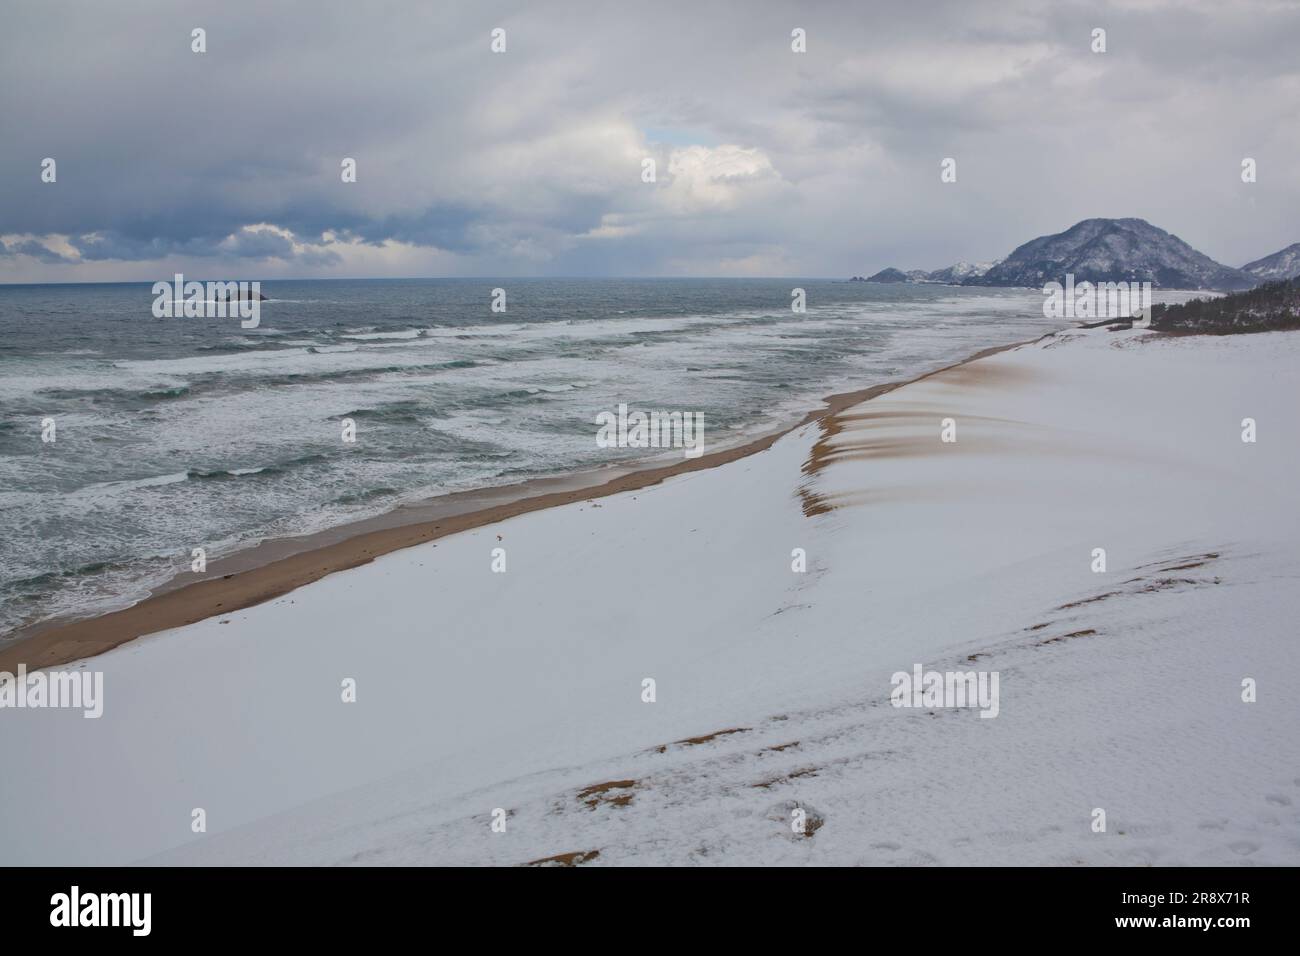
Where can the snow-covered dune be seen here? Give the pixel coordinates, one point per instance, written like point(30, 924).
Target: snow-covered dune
point(1119, 690)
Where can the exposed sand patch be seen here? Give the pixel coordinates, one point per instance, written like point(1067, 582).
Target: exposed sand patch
point(607, 793)
point(703, 739)
point(576, 858)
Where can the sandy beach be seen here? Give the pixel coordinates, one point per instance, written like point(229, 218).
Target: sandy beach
point(277, 567)
point(770, 599)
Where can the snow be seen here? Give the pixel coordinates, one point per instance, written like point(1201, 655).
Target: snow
point(1284, 264)
point(1120, 690)
point(1116, 249)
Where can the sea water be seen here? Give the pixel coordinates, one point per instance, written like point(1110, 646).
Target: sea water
point(177, 433)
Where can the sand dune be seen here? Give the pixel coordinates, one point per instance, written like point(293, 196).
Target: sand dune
point(522, 691)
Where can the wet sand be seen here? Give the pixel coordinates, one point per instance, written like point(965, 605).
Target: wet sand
point(277, 567)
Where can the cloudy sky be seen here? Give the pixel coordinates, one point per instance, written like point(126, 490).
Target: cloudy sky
point(226, 164)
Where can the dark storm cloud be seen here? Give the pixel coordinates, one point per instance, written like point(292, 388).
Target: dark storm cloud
point(529, 161)
point(31, 247)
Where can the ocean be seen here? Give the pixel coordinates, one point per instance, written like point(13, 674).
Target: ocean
point(177, 433)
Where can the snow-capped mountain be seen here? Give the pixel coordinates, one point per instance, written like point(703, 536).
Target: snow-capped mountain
point(952, 275)
point(1280, 265)
point(961, 271)
point(1114, 250)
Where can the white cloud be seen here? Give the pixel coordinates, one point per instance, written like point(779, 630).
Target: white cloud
point(702, 178)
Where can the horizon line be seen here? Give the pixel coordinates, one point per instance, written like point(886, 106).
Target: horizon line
point(481, 278)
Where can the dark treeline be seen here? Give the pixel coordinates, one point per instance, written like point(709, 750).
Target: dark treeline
point(1274, 305)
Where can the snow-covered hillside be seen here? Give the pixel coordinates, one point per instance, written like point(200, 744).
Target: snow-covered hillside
point(1113, 250)
point(1283, 264)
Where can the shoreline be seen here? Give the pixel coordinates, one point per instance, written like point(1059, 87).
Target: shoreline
point(526, 690)
point(241, 581)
